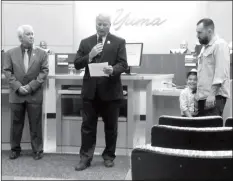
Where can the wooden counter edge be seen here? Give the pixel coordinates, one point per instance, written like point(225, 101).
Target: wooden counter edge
point(123, 77)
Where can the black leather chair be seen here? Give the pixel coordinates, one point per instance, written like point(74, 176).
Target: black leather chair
point(158, 164)
point(220, 138)
point(229, 122)
point(208, 121)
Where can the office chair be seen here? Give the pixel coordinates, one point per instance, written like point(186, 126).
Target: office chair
point(220, 138)
point(229, 122)
point(207, 121)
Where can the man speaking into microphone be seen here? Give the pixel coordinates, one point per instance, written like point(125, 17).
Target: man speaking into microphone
point(101, 95)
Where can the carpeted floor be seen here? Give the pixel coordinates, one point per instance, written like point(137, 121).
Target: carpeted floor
point(61, 166)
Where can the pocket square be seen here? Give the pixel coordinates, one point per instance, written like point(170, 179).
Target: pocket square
point(108, 42)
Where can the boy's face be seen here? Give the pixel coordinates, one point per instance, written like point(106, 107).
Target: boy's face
point(192, 81)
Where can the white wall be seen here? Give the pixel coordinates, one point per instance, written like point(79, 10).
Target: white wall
point(52, 21)
point(64, 23)
point(221, 13)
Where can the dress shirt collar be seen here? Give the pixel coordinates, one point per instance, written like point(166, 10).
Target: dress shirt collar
point(23, 48)
point(191, 90)
point(103, 38)
point(214, 38)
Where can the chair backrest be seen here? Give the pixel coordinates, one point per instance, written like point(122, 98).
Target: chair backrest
point(220, 138)
point(229, 122)
point(148, 164)
point(207, 121)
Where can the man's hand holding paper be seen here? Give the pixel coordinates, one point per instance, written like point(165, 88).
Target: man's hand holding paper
point(99, 69)
point(108, 70)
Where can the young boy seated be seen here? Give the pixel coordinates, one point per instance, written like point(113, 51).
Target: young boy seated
point(187, 96)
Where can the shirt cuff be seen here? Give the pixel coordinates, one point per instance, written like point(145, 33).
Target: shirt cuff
point(217, 81)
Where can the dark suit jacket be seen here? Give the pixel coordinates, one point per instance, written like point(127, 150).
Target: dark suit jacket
point(35, 76)
point(114, 52)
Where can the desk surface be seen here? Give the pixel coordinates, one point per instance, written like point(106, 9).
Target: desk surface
point(5, 91)
point(167, 92)
point(123, 77)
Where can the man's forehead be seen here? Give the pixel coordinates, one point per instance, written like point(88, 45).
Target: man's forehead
point(27, 30)
point(199, 29)
point(105, 20)
point(200, 26)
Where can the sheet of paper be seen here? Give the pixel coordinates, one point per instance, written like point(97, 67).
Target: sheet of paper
point(96, 69)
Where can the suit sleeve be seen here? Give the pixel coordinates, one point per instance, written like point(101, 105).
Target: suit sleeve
point(121, 65)
point(44, 70)
point(81, 59)
point(9, 72)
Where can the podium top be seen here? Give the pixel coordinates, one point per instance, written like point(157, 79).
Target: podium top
point(123, 77)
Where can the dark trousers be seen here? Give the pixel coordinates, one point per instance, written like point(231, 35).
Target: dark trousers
point(34, 111)
point(109, 111)
point(215, 111)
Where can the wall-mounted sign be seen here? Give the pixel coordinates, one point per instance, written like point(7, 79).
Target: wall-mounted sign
point(124, 18)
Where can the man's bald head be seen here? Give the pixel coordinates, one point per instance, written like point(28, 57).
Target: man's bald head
point(184, 44)
point(103, 24)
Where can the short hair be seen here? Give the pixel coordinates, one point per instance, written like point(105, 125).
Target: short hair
point(191, 73)
point(105, 15)
point(43, 42)
point(21, 29)
point(184, 42)
point(207, 23)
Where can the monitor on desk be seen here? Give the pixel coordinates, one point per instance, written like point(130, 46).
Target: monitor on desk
point(134, 55)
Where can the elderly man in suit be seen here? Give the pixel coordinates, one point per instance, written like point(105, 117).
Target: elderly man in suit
point(26, 69)
point(101, 95)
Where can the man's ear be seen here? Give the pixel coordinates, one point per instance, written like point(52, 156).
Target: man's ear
point(20, 38)
point(210, 31)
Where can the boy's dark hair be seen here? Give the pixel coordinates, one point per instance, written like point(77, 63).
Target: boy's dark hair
point(191, 73)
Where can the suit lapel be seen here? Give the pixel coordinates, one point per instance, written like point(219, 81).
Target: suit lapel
point(107, 42)
point(93, 41)
point(106, 45)
point(32, 58)
point(20, 57)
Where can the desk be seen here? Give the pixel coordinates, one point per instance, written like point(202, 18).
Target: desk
point(64, 135)
point(68, 131)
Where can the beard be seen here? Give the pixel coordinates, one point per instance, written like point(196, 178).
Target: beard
point(204, 41)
